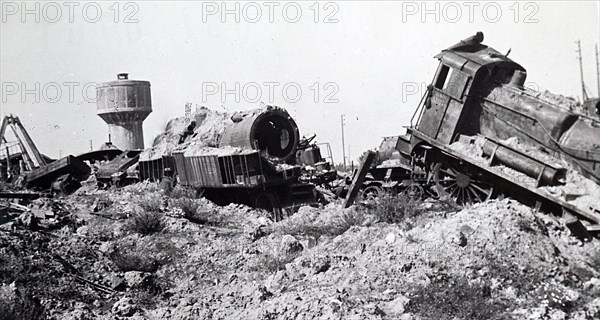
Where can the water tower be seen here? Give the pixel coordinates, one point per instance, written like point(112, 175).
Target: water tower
point(124, 105)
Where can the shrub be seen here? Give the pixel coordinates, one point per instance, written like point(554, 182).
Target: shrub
point(151, 204)
point(101, 231)
point(146, 222)
point(131, 258)
point(394, 208)
point(194, 211)
point(272, 261)
point(179, 192)
point(455, 298)
point(188, 206)
point(339, 223)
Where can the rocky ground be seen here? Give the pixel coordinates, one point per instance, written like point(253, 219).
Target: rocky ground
point(136, 253)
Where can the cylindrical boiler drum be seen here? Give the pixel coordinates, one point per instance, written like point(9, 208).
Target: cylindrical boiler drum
point(271, 130)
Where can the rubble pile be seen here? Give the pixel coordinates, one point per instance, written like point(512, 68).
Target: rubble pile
point(498, 259)
point(565, 102)
point(209, 125)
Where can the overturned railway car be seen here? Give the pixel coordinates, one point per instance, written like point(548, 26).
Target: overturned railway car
point(475, 104)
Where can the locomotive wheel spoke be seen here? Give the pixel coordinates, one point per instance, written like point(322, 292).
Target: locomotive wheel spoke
point(463, 188)
point(476, 195)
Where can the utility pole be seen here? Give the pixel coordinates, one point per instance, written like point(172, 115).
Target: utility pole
point(583, 93)
point(597, 71)
point(343, 142)
point(91, 146)
point(349, 155)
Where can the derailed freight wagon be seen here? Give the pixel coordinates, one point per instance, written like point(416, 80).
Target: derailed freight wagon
point(244, 178)
point(257, 162)
point(155, 169)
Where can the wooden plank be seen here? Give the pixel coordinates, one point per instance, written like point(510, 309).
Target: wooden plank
point(593, 228)
point(359, 178)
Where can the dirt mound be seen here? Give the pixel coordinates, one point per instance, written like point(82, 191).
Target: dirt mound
point(495, 260)
point(209, 127)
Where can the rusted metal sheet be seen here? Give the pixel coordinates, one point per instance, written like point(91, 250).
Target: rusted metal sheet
point(198, 171)
point(204, 171)
point(118, 164)
point(44, 176)
point(100, 155)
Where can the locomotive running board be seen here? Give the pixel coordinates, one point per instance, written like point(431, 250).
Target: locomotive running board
point(528, 196)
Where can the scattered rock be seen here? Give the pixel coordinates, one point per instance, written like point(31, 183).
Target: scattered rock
point(290, 245)
point(459, 239)
point(262, 293)
point(592, 285)
point(125, 307)
point(257, 232)
point(322, 264)
point(99, 205)
point(139, 279)
point(28, 220)
point(593, 309)
point(277, 281)
point(116, 282)
point(390, 238)
point(397, 306)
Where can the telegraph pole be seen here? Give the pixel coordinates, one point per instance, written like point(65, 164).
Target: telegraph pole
point(583, 93)
point(343, 142)
point(597, 71)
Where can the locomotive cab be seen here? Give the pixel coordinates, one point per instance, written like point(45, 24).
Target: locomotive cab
point(479, 91)
point(467, 71)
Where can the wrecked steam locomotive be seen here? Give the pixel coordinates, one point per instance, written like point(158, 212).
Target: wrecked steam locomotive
point(475, 102)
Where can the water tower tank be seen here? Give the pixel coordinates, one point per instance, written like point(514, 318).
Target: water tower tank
point(124, 104)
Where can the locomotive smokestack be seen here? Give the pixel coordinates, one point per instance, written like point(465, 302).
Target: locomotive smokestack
point(518, 78)
point(470, 41)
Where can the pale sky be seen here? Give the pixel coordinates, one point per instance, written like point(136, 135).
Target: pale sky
point(369, 58)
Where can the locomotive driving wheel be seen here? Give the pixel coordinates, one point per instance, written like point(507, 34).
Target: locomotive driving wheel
point(463, 187)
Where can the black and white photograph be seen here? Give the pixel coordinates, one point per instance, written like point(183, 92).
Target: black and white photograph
point(295, 160)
